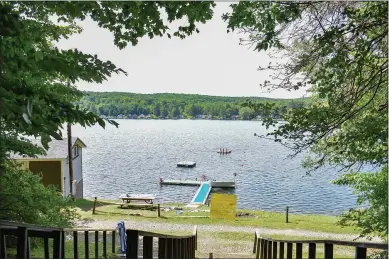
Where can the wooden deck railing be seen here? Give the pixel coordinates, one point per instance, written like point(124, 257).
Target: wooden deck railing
point(169, 246)
point(267, 248)
point(24, 232)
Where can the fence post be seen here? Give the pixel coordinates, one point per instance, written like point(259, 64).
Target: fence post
point(328, 251)
point(274, 254)
point(63, 244)
point(265, 246)
point(57, 245)
point(159, 210)
point(22, 242)
point(255, 243)
point(262, 248)
point(94, 206)
point(132, 244)
point(169, 248)
point(269, 249)
point(282, 250)
point(113, 241)
point(97, 244)
point(46, 249)
point(3, 248)
point(360, 252)
point(75, 244)
point(105, 244)
point(311, 251)
point(161, 248)
point(258, 248)
point(86, 237)
point(210, 255)
point(289, 250)
point(287, 214)
point(148, 247)
point(299, 250)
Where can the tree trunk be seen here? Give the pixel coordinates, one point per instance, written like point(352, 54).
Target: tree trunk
point(70, 159)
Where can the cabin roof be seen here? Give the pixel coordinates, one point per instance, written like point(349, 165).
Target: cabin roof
point(58, 149)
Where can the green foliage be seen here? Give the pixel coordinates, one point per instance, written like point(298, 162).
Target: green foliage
point(340, 51)
point(24, 198)
point(246, 113)
point(372, 190)
point(38, 80)
point(189, 105)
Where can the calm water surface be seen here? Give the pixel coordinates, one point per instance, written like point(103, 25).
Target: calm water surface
point(132, 158)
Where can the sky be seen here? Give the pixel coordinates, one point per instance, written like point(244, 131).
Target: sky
point(211, 62)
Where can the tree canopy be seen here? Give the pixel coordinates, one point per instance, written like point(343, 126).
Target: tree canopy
point(38, 80)
point(173, 105)
point(338, 50)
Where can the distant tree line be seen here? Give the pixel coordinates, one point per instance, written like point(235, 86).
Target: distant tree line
point(164, 105)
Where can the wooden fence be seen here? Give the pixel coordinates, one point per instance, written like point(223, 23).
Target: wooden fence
point(169, 246)
point(267, 248)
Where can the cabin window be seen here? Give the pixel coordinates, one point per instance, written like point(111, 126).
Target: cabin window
point(75, 154)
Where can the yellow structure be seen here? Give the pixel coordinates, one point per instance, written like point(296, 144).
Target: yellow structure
point(54, 167)
point(223, 206)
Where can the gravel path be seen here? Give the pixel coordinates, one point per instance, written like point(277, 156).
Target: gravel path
point(158, 227)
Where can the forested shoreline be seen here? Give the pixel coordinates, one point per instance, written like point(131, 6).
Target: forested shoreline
point(170, 105)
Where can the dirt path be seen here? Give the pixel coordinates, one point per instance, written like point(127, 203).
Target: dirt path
point(158, 227)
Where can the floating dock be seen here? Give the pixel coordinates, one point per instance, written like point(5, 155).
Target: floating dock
point(188, 164)
point(181, 182)
point(216, 184)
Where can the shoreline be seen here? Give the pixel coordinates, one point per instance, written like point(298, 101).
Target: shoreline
point(110, 210)
point(179, 204)
point(172, 119)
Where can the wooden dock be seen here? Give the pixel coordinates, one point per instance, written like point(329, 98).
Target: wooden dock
point(182, 182)
point(204, 190)
point(216, 184)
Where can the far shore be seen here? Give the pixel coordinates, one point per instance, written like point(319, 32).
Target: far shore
point(194, 119)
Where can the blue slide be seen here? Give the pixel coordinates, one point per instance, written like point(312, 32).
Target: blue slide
point(202, 193)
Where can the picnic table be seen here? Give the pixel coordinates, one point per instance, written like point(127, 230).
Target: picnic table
point(147, 198)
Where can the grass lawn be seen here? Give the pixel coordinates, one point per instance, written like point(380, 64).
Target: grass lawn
point(38, 252)
point(109, 210)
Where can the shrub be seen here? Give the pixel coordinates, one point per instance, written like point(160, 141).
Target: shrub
point(24, 198)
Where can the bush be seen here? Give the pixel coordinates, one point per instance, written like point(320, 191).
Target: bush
point(372, 191)
point(24, 198)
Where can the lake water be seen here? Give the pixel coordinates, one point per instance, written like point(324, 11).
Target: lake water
point(133, 157)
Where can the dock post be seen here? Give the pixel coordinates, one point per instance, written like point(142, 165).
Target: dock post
point(94, 206)
point(159, 210)
point(287, 214)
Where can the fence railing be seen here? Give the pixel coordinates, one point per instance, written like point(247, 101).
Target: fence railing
point(24, 232)
point(268, 248)
point(168, 246)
